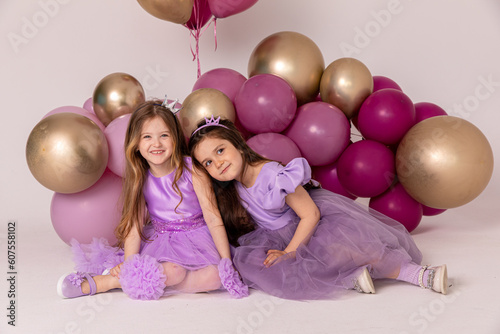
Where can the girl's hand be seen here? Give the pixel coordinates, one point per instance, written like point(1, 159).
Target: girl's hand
point(272, 256)
point(115, 271)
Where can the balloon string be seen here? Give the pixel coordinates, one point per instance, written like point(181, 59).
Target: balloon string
point(196, 34)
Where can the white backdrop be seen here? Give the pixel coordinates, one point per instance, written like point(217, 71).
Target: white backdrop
point(54, 52)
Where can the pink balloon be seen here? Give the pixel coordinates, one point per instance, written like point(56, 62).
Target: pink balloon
point(321, 132)
point(223, 79)
point(386, 116)
point(225, 8)
point(397, 204)
point(265, 103)
point(366, 168)
point(89, 105)
point(94, 212)
point(115, 135)
point(424, 110)
point(200, 15)
point(328, 177)
point(428, 211)
point(274, 146)
point(79, 111)
point(381, 82)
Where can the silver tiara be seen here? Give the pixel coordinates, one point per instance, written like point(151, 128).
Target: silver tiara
point(171, 106)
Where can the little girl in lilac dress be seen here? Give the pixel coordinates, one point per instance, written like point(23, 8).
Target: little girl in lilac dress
point(295, 240)
point(172, 237)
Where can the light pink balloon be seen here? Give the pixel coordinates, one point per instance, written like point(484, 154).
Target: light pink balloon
point(115, 135)
point(225, 8)
point(94, 212)
point(89, 105)
point(274, 146)
point(321, 132)
point(265, 103)
point(79, 111)
point(225, 80)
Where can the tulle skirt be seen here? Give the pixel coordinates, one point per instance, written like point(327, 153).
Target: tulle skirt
point(348, 238)
point(193, 249)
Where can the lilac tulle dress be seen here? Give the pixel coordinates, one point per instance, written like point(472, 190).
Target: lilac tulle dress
point(176, 232)
point(348, 238)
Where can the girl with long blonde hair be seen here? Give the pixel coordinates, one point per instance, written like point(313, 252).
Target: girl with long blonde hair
point(171, 237)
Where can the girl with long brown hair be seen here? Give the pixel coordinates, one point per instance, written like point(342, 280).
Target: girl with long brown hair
point(171, 232)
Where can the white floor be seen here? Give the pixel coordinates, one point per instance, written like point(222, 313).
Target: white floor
point(467, 239)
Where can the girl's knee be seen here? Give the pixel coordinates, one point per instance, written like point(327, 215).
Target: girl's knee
point(212, 278)
point(174, 272)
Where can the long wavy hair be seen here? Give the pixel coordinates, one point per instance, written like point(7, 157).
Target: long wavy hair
point(134, 213)
point(236, 219)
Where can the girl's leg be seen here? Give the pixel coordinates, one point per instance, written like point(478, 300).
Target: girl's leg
point(201, 280)
point(103, 283)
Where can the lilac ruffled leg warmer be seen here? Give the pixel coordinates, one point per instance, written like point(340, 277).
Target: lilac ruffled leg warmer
point(142, 277)
point(231, 280)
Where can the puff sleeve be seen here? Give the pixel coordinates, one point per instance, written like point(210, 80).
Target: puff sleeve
point(296, 173)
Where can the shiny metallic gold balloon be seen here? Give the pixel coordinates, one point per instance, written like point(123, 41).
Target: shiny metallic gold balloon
point(444, 162)
point(346, 83)
point(293, 57)
point(67, 152)
point(115, 95)
point(176, 11)
point(201, 103)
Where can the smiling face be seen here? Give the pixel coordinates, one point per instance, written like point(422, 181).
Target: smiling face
point(156, 146)
point(220, 158)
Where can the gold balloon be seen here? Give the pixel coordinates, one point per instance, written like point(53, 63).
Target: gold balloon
point(444, 162)
point(115, 95)
point(293, 57)
point(176, 11)
point(67, 152)
point(346, 83)
point(201, 103)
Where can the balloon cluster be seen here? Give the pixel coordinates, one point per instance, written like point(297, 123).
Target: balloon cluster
point(413, 159)
point(78, 153)
point(194, 14)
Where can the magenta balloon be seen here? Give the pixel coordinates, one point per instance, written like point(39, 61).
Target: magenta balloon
point(424, 110)
point(223, 79)
point(328, 177)
point(381, 82)
point(386, 115)
point(89, 105)
point(274, 146)
point(321, 132)
point(94, 212)
point(115, 135)
point(79, 111)
point(428, 211)
point(225, 8)
point(265, 103)
point(397, 204)
point(366, 168)
point(200, 15)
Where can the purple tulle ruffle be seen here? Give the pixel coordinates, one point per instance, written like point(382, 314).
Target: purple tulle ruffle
point(142, 277)
point(96, 256)
point(230, 279)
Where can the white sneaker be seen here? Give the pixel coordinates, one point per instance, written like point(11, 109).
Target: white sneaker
point(437, 280)
point(364, 282)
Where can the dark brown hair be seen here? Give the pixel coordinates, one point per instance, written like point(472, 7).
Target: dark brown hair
point(236, 219)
